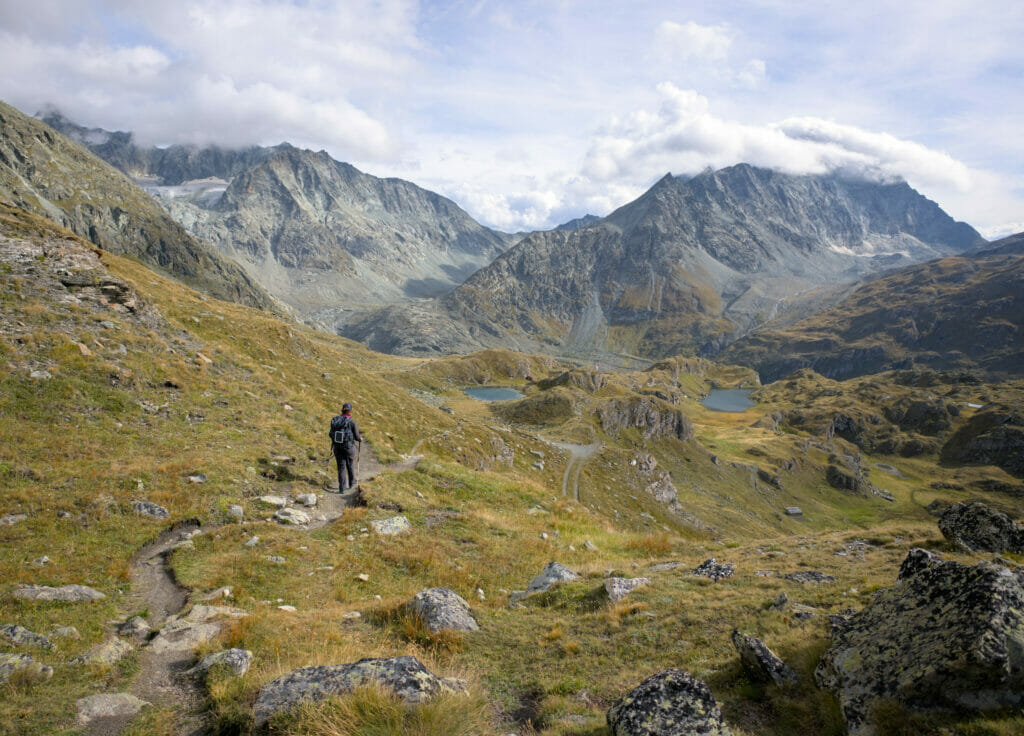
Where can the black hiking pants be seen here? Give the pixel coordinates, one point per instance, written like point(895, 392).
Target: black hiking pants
point(346, 457)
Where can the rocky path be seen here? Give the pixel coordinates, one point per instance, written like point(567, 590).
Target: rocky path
point(155, 589)
point(578, 456)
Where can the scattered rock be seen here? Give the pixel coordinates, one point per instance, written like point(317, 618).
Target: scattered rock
point(198, 627)
point(979, 528)
point(65, 632)
point(443, 608)
point(306, 499)
point(810, 576)
point(24, 666)
point(363, 577)
point(276, 559)
point(135, 628)
point(12, 519)
point(351, 616)
point(946, 636)
point(103, 706)
point(23, 637)
point(253, 541)
point(148, 508)
point(109, 652)
point(589, 546)
point(275, 501)
point(291, 516)
point(713, 570)
point(391, 525)
point(760, 662)
point(224, 592)
point(619, 588)
point(40, 375)
point(61, 593)
point(197, 478)
point(670, 702)
point(41, 561)
point(236, 512)
point(236, 660)
point(406, 677)
point(287, 608)
point(794, 511)
point(552, 573)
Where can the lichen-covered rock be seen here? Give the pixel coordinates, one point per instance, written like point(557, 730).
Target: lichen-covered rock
point(236, 660)
point(406, 677)
point(135, 628)
point(20, 635)
point(619, 588)
point(946, 636)
point(62, 593)
point(390, 526)
point(24, 665)
point(552, 573)
point(108, 652)
point(442, 608)
point(713, 570)
point(980, 528)
point(760, 662)
point(668, 703)
point(148, 508)
point(104, 706)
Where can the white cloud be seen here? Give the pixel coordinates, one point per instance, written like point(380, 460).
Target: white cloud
point(684, 41)
point(1001, 231)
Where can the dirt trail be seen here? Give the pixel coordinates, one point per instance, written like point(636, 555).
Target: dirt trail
point(578, 456)
point(155, 589)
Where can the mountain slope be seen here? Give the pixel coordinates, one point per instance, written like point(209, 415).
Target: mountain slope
point(963, 312)
point(45, 173)
point(688, 267)
point(319, 234)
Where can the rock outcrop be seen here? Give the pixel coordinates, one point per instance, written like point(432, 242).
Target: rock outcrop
point(441, 609)
point(761, 663)
point(946, 636)
point(22, 665)
point(650, 416)
point(552, 573)
point(670, 702)
point(115, 707)
point(406, 677)
point(21, 636)
point(979, 528)
point(993, 436)
point(235, 660)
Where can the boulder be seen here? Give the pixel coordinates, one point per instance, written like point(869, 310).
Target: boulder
point(442, 608)
point(761, 663)
point(714, 570)
point(135, 628)
point(12, 519)
point(235, 511)
point(619, 588)
point(670, 702)
point(236, 660)
point(104, 706)
point(306, 499)
point(291, 516)
point(109, 652)
point(406, 677)
point(979, 528)
point(148, 508)
point(62, 593)
point(276, 501)
point(946, 636)
point(391, 525)
point(23, 637)
point(24, 666)
point(552, 573)
point(198, 627)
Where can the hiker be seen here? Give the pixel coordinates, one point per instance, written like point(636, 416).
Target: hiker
point(344, 436)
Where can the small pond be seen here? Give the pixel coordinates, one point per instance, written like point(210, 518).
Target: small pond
point(728, 399)
point(493, 393)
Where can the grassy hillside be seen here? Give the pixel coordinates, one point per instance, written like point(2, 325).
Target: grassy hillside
point(117, 384)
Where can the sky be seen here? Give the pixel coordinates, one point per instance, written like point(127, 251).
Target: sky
point(531, 112)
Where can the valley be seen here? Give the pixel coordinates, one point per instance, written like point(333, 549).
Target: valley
point(164, 446)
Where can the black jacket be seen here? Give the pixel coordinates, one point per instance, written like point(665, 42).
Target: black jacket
point(339, 423)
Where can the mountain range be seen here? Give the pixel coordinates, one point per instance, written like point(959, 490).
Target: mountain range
point(687, 268)
point(317, 233)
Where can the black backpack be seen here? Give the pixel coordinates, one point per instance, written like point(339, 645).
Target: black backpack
point(341, 431)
